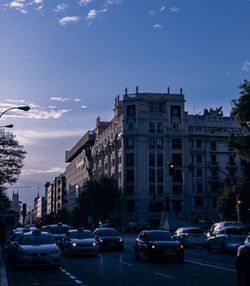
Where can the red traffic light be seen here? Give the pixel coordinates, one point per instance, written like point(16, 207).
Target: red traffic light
point(238, 202)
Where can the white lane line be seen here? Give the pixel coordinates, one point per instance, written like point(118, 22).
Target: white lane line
point(72, 277)
point(209, 265)
point(163, 275)
point(128, 264)
point(79, 282)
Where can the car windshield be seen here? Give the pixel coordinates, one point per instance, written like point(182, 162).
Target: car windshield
point(36, 239)
point(81, 234)
point(59, 229)
point(194, 231)
point(160, 235)
point(108, 232)
point(236, 231)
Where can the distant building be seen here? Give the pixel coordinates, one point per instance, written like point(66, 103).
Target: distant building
point(15, 202)
point(147, 132)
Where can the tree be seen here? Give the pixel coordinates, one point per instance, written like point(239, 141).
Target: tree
point(241, 111)
point(226, 204)
point(97, 201)
point(11, 163)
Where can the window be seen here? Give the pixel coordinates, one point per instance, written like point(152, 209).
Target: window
point(129, 189)
point(151, 143)
point(160, 160)
point(160, 189)
point(129, 160)
point(177, 190)
point(130, 176)
point(198, 158)
point(199, 172)
point(159, 127)
point(151, 160)
point(177, 159)
point(175, 110)
point(198, 144)
point(199, 188)
point(177, 178)
point(152, 176)
point(176, 143)
point(160, 175)
point(199, 201)
point(151, 189)
point(159, 143)
point(151, 128)
point(129, 143)
point(213, 145)
point(130, 110)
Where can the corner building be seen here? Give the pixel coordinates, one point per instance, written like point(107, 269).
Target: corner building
point(147, 132)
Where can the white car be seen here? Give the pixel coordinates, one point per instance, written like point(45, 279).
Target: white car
point(36, 248)
point(79, 241)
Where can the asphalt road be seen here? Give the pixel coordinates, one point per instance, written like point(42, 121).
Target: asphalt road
point(121, 269)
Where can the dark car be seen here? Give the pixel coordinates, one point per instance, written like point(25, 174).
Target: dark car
point(158, 244)
point(58, 231)
point(109, 238)
point(191, 236)
point(243, 263)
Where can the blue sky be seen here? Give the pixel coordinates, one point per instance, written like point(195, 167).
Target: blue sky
point(69, 59)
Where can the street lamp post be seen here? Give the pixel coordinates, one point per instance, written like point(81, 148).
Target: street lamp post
point(23, 108)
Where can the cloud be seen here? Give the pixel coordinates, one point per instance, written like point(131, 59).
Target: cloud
point(15, 100)
point(77, 100)
point(61, 99)
point(151, 13)
point(246, 66)
point(157, 26)
point(40, 171)
point(113, 2)
point(31, 137)
point(61, 7)
point(69, 19)
point(85, 2)
point(91, 14)
point(162, 8)
point(83, 106)
point(38, 2)
point(174, 9)
point(18, 5)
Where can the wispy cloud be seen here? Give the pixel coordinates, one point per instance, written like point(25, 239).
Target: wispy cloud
point(42, 171)
point(113, 2)
point(175, 9)
point(18, 5)
point(85, 2)
point(83, 106)
point(151, 13)
point(77, 100)
point(61, 99)
point(61, 7)
point(38, 2)
point(69, 19)
point(246, 66)
point(157, 26)
point(162, 8)
point(91, 14)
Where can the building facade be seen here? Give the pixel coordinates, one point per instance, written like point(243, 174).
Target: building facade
point(147, 132)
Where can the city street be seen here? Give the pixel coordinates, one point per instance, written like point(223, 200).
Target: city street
point(121, 268)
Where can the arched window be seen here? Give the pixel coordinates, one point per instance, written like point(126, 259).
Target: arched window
point(159, 127)
point(151, 127)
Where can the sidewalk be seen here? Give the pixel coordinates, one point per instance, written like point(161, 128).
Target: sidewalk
point(3, 276)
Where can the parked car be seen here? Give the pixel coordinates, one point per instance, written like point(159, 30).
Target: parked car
point(191, 236)
point(157, 244)
point(227, 239)
point(109, 238)
point(80, 241)
point(243, 263)
point(58, 231)
point(218, 225)
point(35, 248)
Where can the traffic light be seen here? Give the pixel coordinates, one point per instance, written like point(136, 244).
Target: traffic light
point(24, 210)
point(171, 169)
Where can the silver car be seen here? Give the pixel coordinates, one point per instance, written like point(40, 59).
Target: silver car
point(37, 248)
point(191, 236)
point(227, 239)
point(79, 241)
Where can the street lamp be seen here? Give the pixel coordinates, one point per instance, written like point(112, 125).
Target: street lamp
point(7, 126)
point(23, 108)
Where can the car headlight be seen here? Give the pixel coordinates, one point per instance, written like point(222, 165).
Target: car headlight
point(94, 243)
point(100, 240)
point(120, 239)
point(153, 246)
point(73, 244)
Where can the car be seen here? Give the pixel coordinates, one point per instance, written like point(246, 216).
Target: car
point(158, 244)
point(36, 248)
point(243, 263)
point(227, 239)
point(109, 238)
point(58, 231)
point(216, 226)
point(80, 241)
point(191, 236)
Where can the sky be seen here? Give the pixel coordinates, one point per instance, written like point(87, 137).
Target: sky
point(69, 59)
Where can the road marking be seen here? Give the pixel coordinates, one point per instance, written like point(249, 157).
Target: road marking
point(73, 277)
point(163, 275)
point(128, 264)
point(209, 265)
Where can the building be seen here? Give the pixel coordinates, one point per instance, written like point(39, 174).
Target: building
point(15, 202)
point(147, 133)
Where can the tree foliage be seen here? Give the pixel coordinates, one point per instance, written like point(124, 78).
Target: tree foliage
point(226, 204)
point(11, 163)
point(97, 201)
point(241, 111)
